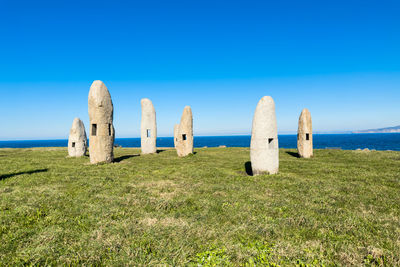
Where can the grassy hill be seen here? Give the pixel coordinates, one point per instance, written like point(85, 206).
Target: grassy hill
point(341, 207)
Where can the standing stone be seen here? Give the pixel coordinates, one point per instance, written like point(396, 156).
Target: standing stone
point(264, 149)
point(102, 133)
point(305, 135)
point(184, 144)
point(148, 127)
point(77, 141)
point(176, 130)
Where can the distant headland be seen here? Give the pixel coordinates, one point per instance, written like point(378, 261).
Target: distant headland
point(395, 129)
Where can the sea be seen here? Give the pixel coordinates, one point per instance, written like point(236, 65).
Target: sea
point(385, 141)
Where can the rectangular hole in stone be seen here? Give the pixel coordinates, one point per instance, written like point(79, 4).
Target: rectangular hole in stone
point(270, 143)
point(109, 129)
point(183, 137)
point(148, 133)
point(73, 144)
point(307, 136)
point(94, 129)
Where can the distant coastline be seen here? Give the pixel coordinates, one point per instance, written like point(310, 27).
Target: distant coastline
point(395, 129)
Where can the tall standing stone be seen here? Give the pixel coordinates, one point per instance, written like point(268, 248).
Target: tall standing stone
point(184, 144)
point(148, 127)
point(264, 149)
point(77, 141)
point(102, 133)
point(305, 135)
point(176, 130)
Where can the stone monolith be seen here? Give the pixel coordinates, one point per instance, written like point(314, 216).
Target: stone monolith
point(264, 149)
point(184, 145)
point(77, 141)
point(176, 130)
point(102, 133)
point(305, 135)
point(148, 127)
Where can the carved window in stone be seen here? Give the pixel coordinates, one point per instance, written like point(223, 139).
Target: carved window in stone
point(307, 136)
point(73, 144)
point(109, 129)
point(270, 143)
point(148, 133)
point(183, 137)
point(94, 129)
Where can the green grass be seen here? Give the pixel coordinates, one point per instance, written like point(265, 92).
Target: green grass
point(339, 208)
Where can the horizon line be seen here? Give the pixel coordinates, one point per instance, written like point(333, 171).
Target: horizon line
point(228, 135)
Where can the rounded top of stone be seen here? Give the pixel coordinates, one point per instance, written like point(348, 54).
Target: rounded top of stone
point(77, 120)
point(97, 82)
point(187, 117)
point(77, 123)
point(99, 95)
point(187, 111)
point(305, 115)
point(305, 111)
point(147, 107)
point(145, 100)
point(267, 99)
point(77, 127)
point(98, 91)
point(305, 123)
point(100, 103)
point(264, 120)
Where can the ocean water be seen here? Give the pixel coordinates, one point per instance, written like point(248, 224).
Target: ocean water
point(343, 141)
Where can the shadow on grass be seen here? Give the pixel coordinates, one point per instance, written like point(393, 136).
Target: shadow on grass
point(293, 154)
point(248, 168)
point(5, 176)
point(119, 159)
point(160, 150)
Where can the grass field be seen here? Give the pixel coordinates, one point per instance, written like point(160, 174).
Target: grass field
point(339, 208)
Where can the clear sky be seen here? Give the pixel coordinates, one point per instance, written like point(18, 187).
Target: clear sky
point(340, 59)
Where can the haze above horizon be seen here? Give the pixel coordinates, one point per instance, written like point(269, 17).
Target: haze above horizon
point(339, 59)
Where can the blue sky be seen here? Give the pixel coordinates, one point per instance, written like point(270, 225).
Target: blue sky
point(340, 59)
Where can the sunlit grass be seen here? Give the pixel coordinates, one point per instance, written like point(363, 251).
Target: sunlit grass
point(340, 207)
